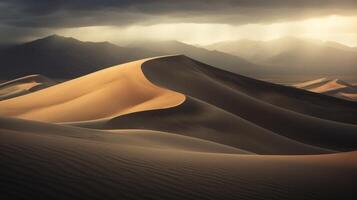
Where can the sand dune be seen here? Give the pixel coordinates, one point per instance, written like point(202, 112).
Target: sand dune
point(38, 163)
point(174, 128)
point(111, 92)
point(312, 123)
point(336, 88)
point(24, 85)
point(230, 112)
point(307, 117)
point(133, 138)
point(311, 84)
point(330, 85)
point(349, 95)
point(197, 119)
point(183, 69)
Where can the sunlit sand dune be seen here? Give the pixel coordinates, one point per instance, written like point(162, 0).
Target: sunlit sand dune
point(350, 96)
point(173, 128)
point(312, 83)
point(111, 92)
point(330, 85)
point(220, 106)
point(24, 85)
point(336, 88)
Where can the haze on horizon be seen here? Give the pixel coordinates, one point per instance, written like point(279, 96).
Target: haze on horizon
point(197, 22)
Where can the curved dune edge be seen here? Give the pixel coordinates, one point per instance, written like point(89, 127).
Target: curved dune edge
point(24, 85)
point(311, 84)
point(198, 119)
point(114, 91)
point(227, 112)
point(51, 161)
point(335, 88)
point(329, 86)
point(299, 115)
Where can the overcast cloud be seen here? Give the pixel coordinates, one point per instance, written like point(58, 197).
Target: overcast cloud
point(23, 18)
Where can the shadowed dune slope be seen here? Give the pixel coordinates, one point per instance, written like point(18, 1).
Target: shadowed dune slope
point(133, 138)
point(201, 120)
point(111, 92)
point(226, 108)
point(87, 165)
point(24, 85)
point(185, 75)
point(230, 111)
point(290, 112)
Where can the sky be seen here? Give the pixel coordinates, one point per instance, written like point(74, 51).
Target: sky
point(195, 21)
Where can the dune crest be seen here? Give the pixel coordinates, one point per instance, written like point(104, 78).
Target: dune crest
point(330, 85)
point(311, 83)
point(198, 132)
point(24, 85)
point(336, 88)
point(110, 92)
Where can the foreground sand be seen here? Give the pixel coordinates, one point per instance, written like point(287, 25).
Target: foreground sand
point(41, 161)
point(174, 128)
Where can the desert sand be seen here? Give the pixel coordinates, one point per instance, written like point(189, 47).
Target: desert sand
point(47, 161)
point(312, 83)
point(330, 85)
point(349, 95)
point(111, 92)
point(24, 85)
point(173, 128)
point(335, 87)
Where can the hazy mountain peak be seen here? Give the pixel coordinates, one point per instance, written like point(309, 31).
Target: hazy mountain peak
point(64, 57)
point(53, 40)
point(56, 37)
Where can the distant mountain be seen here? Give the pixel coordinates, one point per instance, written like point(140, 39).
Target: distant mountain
point(295, 56)
point(222, 60)
point(62, 57)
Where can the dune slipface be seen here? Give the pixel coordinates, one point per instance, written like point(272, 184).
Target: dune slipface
point(174, 128)
point(301, 116)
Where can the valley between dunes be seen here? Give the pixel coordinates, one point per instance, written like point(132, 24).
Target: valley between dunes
point(174, 128)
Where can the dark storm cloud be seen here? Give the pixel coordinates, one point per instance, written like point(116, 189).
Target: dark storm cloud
point(73, 13)
point(21, 19)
